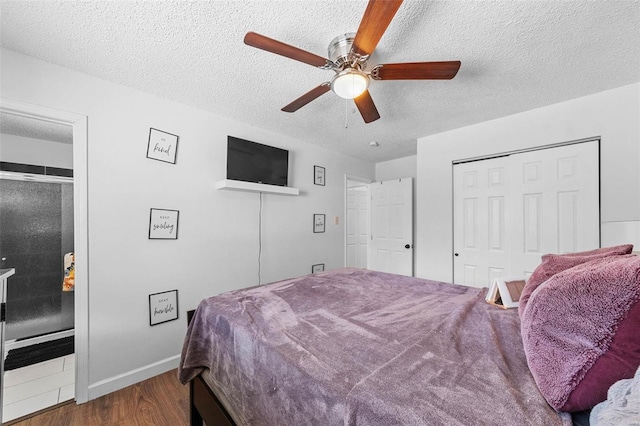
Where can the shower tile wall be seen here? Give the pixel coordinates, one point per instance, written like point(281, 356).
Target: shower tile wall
point(36, 230)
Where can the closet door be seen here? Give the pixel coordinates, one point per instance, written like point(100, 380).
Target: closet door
point(511, 210)
point(481, 245)
point(556, 198)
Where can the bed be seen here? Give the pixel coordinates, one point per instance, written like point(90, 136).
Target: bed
point(359, 347)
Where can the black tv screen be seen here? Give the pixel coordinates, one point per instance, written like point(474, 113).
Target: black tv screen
point(253, 162)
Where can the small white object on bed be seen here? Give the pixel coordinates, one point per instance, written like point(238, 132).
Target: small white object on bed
point(505, 292)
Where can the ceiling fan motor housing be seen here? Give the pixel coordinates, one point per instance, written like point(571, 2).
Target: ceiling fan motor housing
point(339, 53)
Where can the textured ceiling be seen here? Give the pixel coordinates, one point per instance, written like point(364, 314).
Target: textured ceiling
point(515, 56)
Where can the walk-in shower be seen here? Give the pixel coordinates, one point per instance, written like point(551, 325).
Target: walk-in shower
point(36, 233)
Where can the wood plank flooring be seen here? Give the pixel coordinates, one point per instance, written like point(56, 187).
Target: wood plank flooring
point(159, 401)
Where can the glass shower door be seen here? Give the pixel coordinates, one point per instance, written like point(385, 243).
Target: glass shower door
point(36, 231)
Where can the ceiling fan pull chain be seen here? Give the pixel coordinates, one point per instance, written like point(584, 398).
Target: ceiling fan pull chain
point(346, 113)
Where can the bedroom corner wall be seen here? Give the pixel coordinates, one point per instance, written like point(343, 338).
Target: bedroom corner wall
point(396, 169)
point(217, 247)
point(613, 115)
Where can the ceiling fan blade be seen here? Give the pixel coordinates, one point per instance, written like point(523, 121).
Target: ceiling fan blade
point(375, 21)
point(307, 97)
point(366, 107)
point(416, 71)
point(280, 48)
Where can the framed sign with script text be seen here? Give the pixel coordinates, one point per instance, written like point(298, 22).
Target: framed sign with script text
point(163, 307)
point(163, 224)
point(318, 223)
point(318, 175)
point(162, 146)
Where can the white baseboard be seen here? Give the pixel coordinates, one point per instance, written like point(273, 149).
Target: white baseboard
point(121, 381)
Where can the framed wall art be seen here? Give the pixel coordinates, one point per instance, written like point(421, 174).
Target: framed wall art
point(162, 146)
point(318, 223)
point(163, 224)
point(163, 307)
point(318, 175)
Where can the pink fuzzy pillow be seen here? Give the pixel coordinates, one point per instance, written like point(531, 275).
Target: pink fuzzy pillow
point(580, 331)
point(554, 263)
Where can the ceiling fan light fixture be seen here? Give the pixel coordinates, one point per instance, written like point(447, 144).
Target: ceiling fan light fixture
point(349, 83)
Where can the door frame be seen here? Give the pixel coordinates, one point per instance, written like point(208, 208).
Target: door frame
point(78, 123)
point(598, 139)
point(364, 181)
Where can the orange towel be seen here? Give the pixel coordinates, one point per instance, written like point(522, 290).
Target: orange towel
point(69, 272)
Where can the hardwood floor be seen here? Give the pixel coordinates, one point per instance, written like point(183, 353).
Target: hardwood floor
point(159, 401)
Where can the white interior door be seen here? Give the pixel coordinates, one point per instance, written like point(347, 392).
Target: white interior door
point(392, 226)
point(556, 195)
point(481, 212)
point(509, 211)
point(357, 226)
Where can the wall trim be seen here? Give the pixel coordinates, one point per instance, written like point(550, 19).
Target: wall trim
point(132, 377)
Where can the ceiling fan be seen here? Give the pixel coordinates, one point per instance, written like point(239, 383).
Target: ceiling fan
point(348, 55)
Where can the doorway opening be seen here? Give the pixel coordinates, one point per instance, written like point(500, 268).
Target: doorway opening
point(379, 225)
point(357, 225)
point(66, 312)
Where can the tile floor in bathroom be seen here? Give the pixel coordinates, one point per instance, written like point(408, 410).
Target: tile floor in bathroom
point(38, 386)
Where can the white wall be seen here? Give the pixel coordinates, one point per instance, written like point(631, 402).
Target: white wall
point(399, 168)
point(614, 115)
point(18, 149)
point(217, 248)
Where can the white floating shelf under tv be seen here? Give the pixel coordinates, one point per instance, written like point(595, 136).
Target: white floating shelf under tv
point(238, 185)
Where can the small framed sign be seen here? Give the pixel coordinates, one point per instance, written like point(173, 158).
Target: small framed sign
point(162, 146)
point(319, 267)
point(318, 223)
point(318, 175)
point(505, 292)
point(163, 224)
point(163, 307)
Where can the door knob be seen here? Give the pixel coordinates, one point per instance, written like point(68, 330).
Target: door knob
point(407, 246)
point(455, 254)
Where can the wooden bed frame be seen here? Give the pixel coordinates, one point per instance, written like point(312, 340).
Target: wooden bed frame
point(204, 405)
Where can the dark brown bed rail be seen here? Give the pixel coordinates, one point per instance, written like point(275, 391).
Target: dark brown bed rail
point(204, 405)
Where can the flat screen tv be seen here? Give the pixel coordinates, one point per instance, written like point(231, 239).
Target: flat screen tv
point(253, 162)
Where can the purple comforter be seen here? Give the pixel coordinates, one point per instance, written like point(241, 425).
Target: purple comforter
point(357, 347)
